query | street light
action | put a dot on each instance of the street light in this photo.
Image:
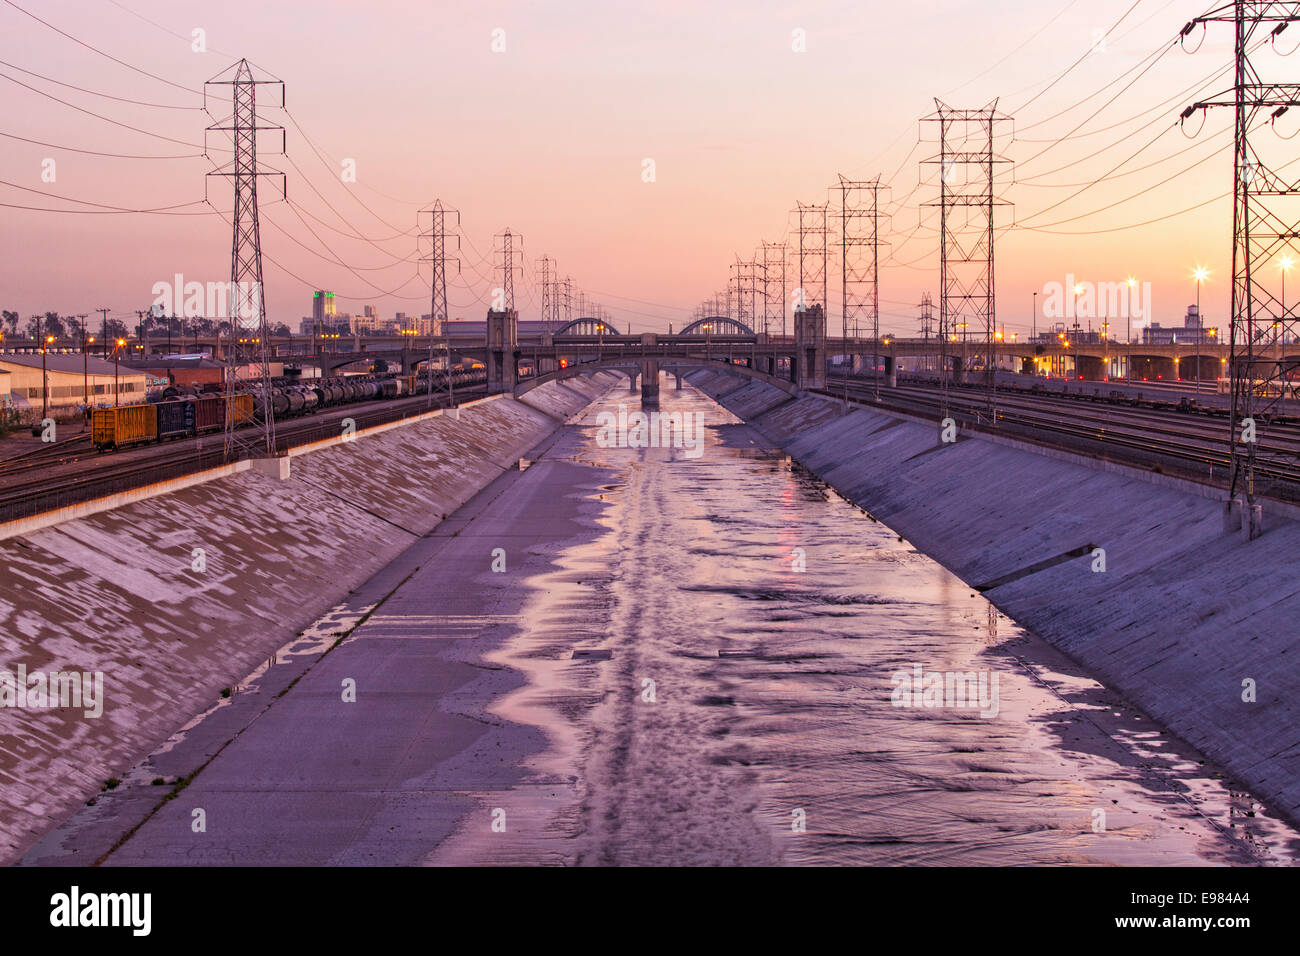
(117, 354)
(1200, 274)
(45, 379)
(1128, 345)
(1285, 264)
(85, 371)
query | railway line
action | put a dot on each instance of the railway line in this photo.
(72, 472)
(1174, 440)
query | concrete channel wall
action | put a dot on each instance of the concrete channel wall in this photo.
(124, 592)
(1184, 618)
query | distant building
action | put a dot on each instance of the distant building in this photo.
(1191, 332)
(322, 306)
(368, 323)
(468, 327)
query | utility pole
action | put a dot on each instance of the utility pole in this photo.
(438, 286)
(247, 298)
(103, 332)
(967, 162)
(45, 375)
(85, 364)
(139, 329)
(1264, 227)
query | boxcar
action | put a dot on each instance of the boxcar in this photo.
(175, 419)
(243, 409)
(122, 426)
(209, 413)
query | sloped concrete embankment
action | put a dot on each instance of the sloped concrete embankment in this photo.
(1183, 614)
(117, 592)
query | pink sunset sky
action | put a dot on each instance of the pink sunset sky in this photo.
(548, 138)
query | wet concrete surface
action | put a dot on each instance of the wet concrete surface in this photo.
(686, 660)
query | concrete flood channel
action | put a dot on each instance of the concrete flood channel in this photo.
(661, 655)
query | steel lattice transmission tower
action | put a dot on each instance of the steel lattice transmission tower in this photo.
(550, 301)
(1265, 227)
(774, 256)
(248, 366)
(859, 216)
(506, 251)
(814, 250)
(967, 202)
(438, 310)
(744, 285)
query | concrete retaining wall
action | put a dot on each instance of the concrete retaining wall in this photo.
(118, 592)
(1182, 615)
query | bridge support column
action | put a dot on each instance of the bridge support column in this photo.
(809, 366)
(677, 376)
(891, 371)
(632, 376)
(1154, 368)
(502, 350)
(547, 363)
(650, 382)
(1089, 367)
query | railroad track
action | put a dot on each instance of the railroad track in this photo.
(1168, 442)
(47, 455)
(38, 486)
(1280, 438)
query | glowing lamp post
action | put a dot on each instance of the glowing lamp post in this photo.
(117, 355)
(1200, 274)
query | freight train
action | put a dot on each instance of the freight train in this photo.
(126, 425)
(183, 414)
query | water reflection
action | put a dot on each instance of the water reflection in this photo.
(741, 709)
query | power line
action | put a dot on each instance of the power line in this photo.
(99, 51)
(106, 119)
(109, 96)
(95, 152)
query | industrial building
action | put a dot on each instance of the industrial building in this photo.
(193, 371)
(72, 377)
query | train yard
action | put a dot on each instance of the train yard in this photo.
(1164, 433)
(74, 470)
(1175, 437)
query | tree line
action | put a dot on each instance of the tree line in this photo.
(151, 326)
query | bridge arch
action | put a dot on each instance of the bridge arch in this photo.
(717, 325)
(586, 326)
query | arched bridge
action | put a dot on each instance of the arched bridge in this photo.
(717, 325)
(585, 326)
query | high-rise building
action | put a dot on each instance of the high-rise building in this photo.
(322, 306)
